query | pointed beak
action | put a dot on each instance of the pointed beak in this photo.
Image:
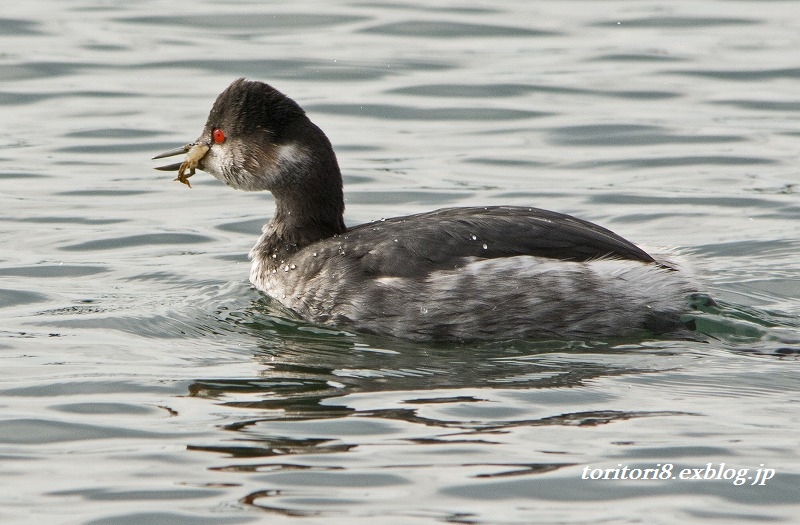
(172, 153)
(194, 154)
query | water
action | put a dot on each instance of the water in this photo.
(144, 381)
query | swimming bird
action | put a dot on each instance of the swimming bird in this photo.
(454, 274)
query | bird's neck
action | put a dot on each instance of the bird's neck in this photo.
(307, 219)
(309, 202)
(295, 226)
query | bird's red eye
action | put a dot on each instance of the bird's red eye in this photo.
(219, 136)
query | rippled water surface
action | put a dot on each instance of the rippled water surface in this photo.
(144, 381)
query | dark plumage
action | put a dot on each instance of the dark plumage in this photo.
(450, 274)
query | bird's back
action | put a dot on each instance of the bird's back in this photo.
(476, 273)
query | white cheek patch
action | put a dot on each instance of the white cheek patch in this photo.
(213, 163)
(290, 155)
(227, 163)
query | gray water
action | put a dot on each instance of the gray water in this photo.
(144, 381)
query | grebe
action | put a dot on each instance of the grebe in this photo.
(455, 274)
